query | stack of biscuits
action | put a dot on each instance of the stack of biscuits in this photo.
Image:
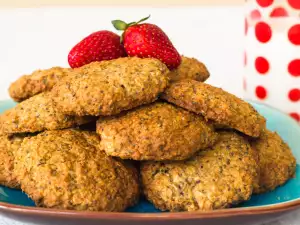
(97, 137)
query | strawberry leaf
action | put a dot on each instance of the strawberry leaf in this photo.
(131, 24)
(142, 20)
(119, 24)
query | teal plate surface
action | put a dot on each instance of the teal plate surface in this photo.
(286, 127)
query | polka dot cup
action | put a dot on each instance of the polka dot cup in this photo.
(272, 54)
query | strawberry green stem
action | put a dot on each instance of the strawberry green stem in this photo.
(121, 25)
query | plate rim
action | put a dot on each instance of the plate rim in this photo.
(221, 213)
(230, 212)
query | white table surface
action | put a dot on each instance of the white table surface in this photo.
(41, 38)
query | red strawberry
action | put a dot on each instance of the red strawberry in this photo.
(101, 45)
(148, 41)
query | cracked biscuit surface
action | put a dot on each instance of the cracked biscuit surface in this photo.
(276, 161)
(190, 68)
(8, 146)
(66, 170)
(216, 178)
(37, 114)
(159, 131)
(109, 87)
(37, 82)
(217, 105)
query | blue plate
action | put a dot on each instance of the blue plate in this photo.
(286, 127)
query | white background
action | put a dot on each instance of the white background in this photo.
(41, 38)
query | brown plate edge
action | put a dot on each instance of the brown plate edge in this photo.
(276, 208)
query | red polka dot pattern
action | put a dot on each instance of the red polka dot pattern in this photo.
(294, 95)
(244, 84)
(294, 68)
(255, 14)
(294, 34)
(263, 32)
(261, 92)
(246, 26)
(279, 12)
(295, 116)
(262, 65)
(269, 18)
(265, 3)
(294, 3)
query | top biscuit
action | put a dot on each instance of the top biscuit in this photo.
(44, 80)
(39, 81)
(109, 87)
(217, 105)
(190, 68)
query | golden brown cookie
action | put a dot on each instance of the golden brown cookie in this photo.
(276, 161)
(66, 170)
(37, 82)
(109, 87)
(159, 131)
(217, 105)
(190, 68)
(36, 114)
(8, 146)
(216, 178)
